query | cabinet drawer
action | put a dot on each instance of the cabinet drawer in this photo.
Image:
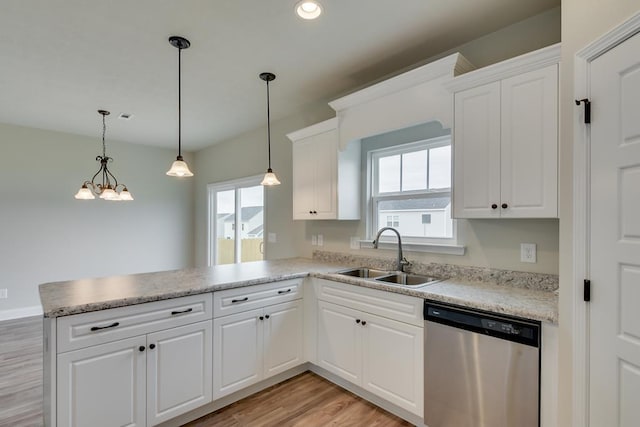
(97, 327)
(399, 307)
(237, 300)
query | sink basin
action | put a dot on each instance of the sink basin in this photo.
(363, 272)
(408, 279)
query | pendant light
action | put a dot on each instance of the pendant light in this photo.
(270, 177)
(108, 188)
(179, 168)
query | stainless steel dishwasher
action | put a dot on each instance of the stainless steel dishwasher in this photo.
(481, 369)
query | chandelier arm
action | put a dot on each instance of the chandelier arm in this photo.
(109, 174)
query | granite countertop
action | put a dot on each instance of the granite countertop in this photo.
(80, 296)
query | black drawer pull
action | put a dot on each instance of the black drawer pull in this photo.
(98, 328)
(266, 316)
(152, 346)
(188, 310)
(240, 300)
(284, 292)
(364, 322)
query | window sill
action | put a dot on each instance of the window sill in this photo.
(436, 248)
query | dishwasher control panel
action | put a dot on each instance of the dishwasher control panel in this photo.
(485, 323)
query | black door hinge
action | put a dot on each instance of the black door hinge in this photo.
(587, 109)
(587, 290)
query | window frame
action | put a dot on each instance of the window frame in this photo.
(373, 197)
(212, 232)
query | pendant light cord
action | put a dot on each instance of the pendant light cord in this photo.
(268, 126)
(104, 131)
(179, 104)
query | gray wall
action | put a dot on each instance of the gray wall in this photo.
(47, 235)
(489, 243)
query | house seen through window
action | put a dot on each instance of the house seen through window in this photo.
(411, 190)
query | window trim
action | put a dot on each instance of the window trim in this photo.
(448, 245)
(212, 236)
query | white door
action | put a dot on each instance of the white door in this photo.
(237, 351)
(103, 385)
(387, 343)
(476, 147)
(179, 365)
(339, 341)
(529, 145)
(615, 237)
(283, 328)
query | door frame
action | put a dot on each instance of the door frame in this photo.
(581, 219)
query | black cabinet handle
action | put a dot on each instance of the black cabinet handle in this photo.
(311, 212)
(188, 310)
(494, 206)
(98, 328)
(261, 317)
(141, 348)
(357, 320)
(152, 346)
(284, 292)
(505, 206)
(364, 322)
(315, 212)
(266, 316)
(240, 300)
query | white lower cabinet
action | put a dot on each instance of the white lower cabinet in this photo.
(178, 371)
(103, 385)
(381, 355)
(256, 344)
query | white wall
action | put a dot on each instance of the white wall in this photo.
(582, 22)
(46, 235)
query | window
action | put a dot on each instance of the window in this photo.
(230, 203)
(410, 190)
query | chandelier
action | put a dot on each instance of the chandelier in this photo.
(109, 188)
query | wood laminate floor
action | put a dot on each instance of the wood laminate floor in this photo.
(21, 372)
(306, 400)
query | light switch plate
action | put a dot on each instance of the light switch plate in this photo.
(320, 240)
(271, 237)
(4, 293)
(314, 240)
(528, 252)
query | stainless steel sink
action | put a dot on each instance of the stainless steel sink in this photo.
(363, 272)
(406, 279)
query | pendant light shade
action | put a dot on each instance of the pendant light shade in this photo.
(179, 167)
(270, 178)
(108, 188)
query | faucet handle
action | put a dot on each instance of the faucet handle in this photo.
(405, 263)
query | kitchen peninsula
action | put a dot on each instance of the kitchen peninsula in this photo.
(225, 332)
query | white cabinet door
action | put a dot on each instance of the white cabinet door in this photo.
(283, 330)
(392, 361)
(529, 144)
(304, 170)
(325, 163)
(476, 185)
(103, 385)
(179, 365)
(339, 341)
(237, 347)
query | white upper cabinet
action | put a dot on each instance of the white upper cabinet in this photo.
(326, 181)
(506, 139)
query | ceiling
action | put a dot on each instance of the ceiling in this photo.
(61, 60)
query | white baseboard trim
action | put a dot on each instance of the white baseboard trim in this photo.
(17, 313)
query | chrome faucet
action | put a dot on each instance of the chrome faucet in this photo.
(402, 261)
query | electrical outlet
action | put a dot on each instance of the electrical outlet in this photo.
(314, 240)
(528, 252)
(355, 243)
(320, 240)
(271, 237)
(4, 293)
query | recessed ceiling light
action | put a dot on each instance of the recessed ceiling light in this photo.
(308, 9)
